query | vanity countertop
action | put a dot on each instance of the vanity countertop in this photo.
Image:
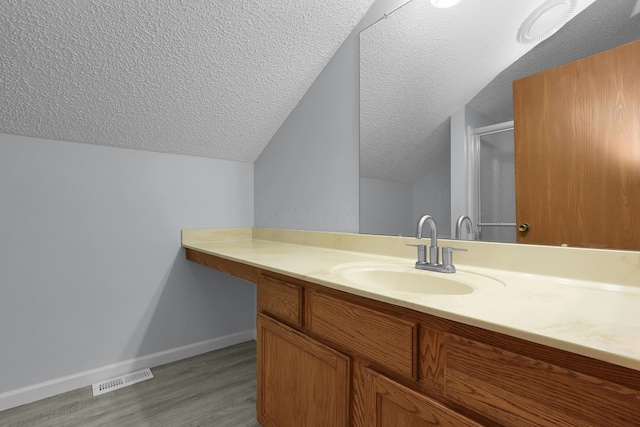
(581, 300)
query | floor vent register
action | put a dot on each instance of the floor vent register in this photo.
(121, 382)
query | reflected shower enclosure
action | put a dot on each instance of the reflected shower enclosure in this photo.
(493, 179)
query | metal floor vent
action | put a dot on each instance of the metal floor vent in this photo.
(121, 382)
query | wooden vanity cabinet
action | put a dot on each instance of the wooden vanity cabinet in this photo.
(330, 358)
(308, 336)
(412, 369)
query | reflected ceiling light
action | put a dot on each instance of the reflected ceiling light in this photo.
(445, 3)
(545, 20)
(636, 9)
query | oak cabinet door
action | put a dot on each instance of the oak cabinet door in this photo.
(390, 404)
(301, 383)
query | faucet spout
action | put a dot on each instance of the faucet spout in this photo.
(434, 253)
(462, 220)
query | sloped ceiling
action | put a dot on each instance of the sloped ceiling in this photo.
(204, 78)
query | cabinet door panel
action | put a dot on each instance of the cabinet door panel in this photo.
(390, 404)
(300, 381)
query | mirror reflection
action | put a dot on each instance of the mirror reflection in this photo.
(425, 87)
(492, 201)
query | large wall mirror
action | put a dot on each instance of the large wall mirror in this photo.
(430, 75)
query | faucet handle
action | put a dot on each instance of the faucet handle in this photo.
(422, 252)
(447, 255)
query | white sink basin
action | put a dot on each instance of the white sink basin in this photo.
(408, 279)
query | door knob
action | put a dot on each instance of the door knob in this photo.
(524, 227)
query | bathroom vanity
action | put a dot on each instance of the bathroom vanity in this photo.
(520, 336)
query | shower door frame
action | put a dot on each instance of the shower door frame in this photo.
(474, 201)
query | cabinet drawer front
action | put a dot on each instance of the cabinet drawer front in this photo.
(520, 391)
(280, 299)
(380, 338)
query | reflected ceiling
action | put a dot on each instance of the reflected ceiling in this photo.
(602, 26)
(421, 64)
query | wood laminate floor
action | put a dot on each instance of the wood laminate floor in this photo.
(213, 389)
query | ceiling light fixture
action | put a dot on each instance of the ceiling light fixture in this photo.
(444, 3)
(545, 20)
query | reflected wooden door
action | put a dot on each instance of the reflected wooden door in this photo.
(577, 152)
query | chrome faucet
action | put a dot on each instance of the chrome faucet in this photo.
(433, 264)
(462, 220)
(434, 254)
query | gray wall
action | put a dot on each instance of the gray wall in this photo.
(308, 175)
(432, 195)
(91, 268)
(393, 208)
(386, 207)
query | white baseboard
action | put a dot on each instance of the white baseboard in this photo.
(50, 388)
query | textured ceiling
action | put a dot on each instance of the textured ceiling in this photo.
(205, 78)
(421, 64)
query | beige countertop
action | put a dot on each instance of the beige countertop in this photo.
(581, 300)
